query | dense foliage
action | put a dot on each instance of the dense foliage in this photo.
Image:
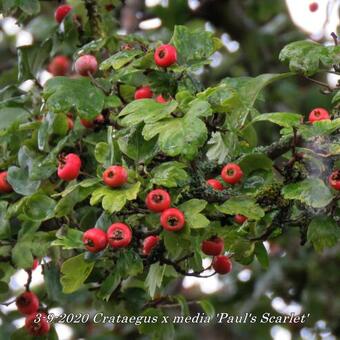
(175, 144)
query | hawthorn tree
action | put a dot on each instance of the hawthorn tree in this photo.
(124, 171)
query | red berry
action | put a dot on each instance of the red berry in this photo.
(119, 235)
(27, 303)
(37, 324)
(61, 12)
(158, 200)
(86, 64)
(213, 246)
(70, 123)
(232, 173)
(89, 124)
(59, 65)
(149, 243)
(95, 240)
(5, 187)
(240, 219)
(222, 264)
(69, 167)
(115, 176)
(334, 180)
(313, 7)
(172, 219)
(165, 55)
(318, 114)
(215, 184)
(161, 99)
(143, 92)
(35, 264)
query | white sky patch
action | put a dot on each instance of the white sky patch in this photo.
(216, 59)
(26, 85)
(244, 275)
(280, 306)
(24, 38)
(10, 27)
(332, 79)
(64, 332)
(208, 285)
(231, 45)
(150, 24)
(313, 22)
(44, 76)
(280, 333)
(18, 323)
(193, 4)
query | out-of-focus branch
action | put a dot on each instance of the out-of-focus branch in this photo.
(131, 15)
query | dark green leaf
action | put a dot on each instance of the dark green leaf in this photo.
(63, 94)
(323, 232)
(311, 191)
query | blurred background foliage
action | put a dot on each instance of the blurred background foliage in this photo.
(253, 33)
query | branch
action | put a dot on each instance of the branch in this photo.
(94, 18)
(179, 269)
(29, 280)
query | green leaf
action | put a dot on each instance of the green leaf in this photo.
(321, 128)
(154, 278)
(3, 287)
(22, 255)
(170, 175)
(147, 111)
(31, 59)
(223, 147)
(120, 59)
(336, 97)
(109, 285)
(222, 98)
(193, 46)
(19, 179)
(311, 191)
(11, 114)
(284, 119)
(72, 239)
(62, 94)
(39, 207)
(250, 163)
(115, 199)
(243, 206)
(4, 223)
(102, 152)
(199, 108)
(191, 210)
(135, 147)
(75, 271)
(207, 307)
(178, 136)
(323, 232)
(262, 255)
(308, 57)
(30, 7)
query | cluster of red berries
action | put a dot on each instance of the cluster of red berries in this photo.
(231, 173)
(159, 201)
(28, 304)
(214, 246)
(164, 56)
(118, 235)
(145, 92)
